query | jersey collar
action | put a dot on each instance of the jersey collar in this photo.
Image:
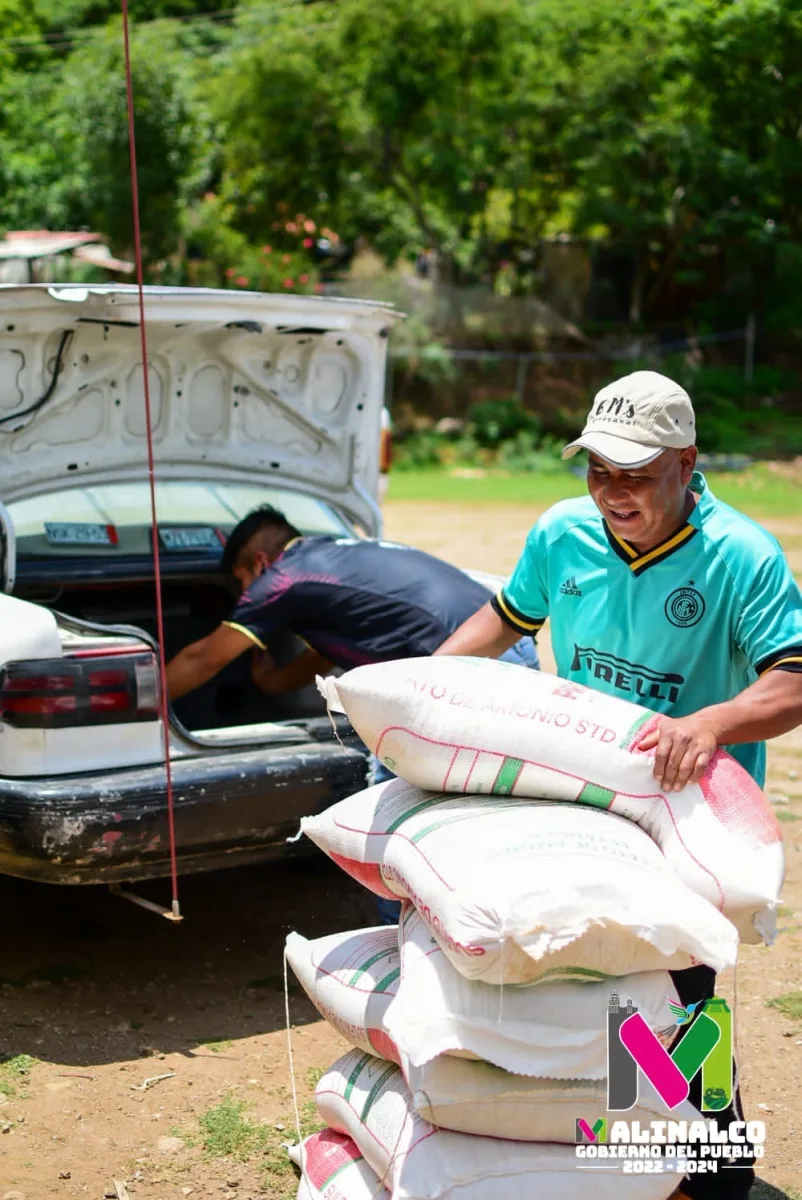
(638, 563)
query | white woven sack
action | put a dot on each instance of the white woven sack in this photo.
(519, 891)
(351, 979)
(479, 726)
(367, 1099)
(412, 1007)
(551, 1030)
(333, 1168)
(480, 1099)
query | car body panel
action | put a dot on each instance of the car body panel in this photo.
(287, 389)
(278, 392)
(232, 808)
(27, 630)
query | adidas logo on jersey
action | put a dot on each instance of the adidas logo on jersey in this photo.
(569, 588)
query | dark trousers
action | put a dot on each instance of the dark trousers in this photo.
(730, 1183)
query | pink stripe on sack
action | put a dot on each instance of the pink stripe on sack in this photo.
(454, 758)
(391, 1154)
(731, 795)
(368, 874)
(473, 768)
(349, 987)
(384, 1045)
(529, 762)
(326, 1153)
(739, 806)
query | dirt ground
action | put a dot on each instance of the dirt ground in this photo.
(150, 1060)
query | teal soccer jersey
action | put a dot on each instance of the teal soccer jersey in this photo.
(688, 624)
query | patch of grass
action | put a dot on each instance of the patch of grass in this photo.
(757, 491)
(310, 1119)
(227, 1133)
(14, 1069)
(784, 911)
(766, 1191)
(790, 1005)
(218, 1046)
(783, 814)
(279, 1168)
(490, 487)
(314, 1076)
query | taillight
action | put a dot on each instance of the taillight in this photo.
(93, 690)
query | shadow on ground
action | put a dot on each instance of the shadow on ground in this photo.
(767, 1191)
(87, 978)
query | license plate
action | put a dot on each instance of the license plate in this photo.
(204, 538)
(73, 534)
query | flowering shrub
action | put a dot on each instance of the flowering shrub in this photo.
(220, 256)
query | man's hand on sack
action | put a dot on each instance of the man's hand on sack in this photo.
(683, 749)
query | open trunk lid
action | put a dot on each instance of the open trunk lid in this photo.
(243, 386)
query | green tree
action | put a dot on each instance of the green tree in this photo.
(415, 124)
(685, 133)
(89, 124)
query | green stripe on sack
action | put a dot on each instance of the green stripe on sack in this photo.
(599, 797)
(377, 1087)
(629, 736)
(342, 1167)
(471, 814)
(364, 1061)
(391, 977)
(574, 973)
(505, 780)
(413, 812)
(370, 962)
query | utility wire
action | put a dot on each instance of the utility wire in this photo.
(64, 38)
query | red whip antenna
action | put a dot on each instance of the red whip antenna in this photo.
(175, 912)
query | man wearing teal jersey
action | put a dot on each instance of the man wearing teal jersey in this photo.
(657, 592)
(660, 594)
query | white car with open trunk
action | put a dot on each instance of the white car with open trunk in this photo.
(255, 399)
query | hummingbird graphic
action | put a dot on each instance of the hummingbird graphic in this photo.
(683, 1014)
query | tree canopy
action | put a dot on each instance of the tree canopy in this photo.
(671, 129)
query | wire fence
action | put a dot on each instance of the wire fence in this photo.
(639, 348)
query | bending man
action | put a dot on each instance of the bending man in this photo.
(353, 601)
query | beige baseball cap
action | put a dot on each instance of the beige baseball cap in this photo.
(635, 419)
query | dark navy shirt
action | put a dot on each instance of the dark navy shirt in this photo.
(358, 601)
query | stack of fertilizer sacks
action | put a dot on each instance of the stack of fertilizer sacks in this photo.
(549, 887)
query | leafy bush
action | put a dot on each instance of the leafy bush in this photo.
(525, 452)
(493, 422)
(420, 451)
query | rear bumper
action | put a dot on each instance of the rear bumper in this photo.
(230, 809)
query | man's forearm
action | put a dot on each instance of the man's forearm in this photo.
(202, 660)
(295, 674)
(188, 670)
(484, 635)
(768, 708)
